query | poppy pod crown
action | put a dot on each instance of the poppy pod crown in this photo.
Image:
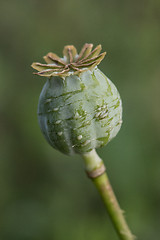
(79, 108)
(72, 62)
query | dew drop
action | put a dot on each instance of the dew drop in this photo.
(79, 137)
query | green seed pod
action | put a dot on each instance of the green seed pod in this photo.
(79, 108)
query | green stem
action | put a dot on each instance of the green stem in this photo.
(96, 170)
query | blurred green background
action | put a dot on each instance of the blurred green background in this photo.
(43, 193)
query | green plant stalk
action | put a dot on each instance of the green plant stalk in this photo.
(96, 171)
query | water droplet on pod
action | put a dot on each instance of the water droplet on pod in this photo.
(79, 137)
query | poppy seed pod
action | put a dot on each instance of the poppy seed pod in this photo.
(79, 108)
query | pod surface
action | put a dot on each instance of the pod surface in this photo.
(79, 113)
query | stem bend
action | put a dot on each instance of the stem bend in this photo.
(95, 169)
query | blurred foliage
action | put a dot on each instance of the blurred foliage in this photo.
(44, 194)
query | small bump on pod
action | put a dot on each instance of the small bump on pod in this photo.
(55, 109)
(58, 121)
(76, 116)
(86, 142)
(60, 133)
(48, 100)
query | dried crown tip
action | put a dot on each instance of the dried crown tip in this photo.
(72, 62)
